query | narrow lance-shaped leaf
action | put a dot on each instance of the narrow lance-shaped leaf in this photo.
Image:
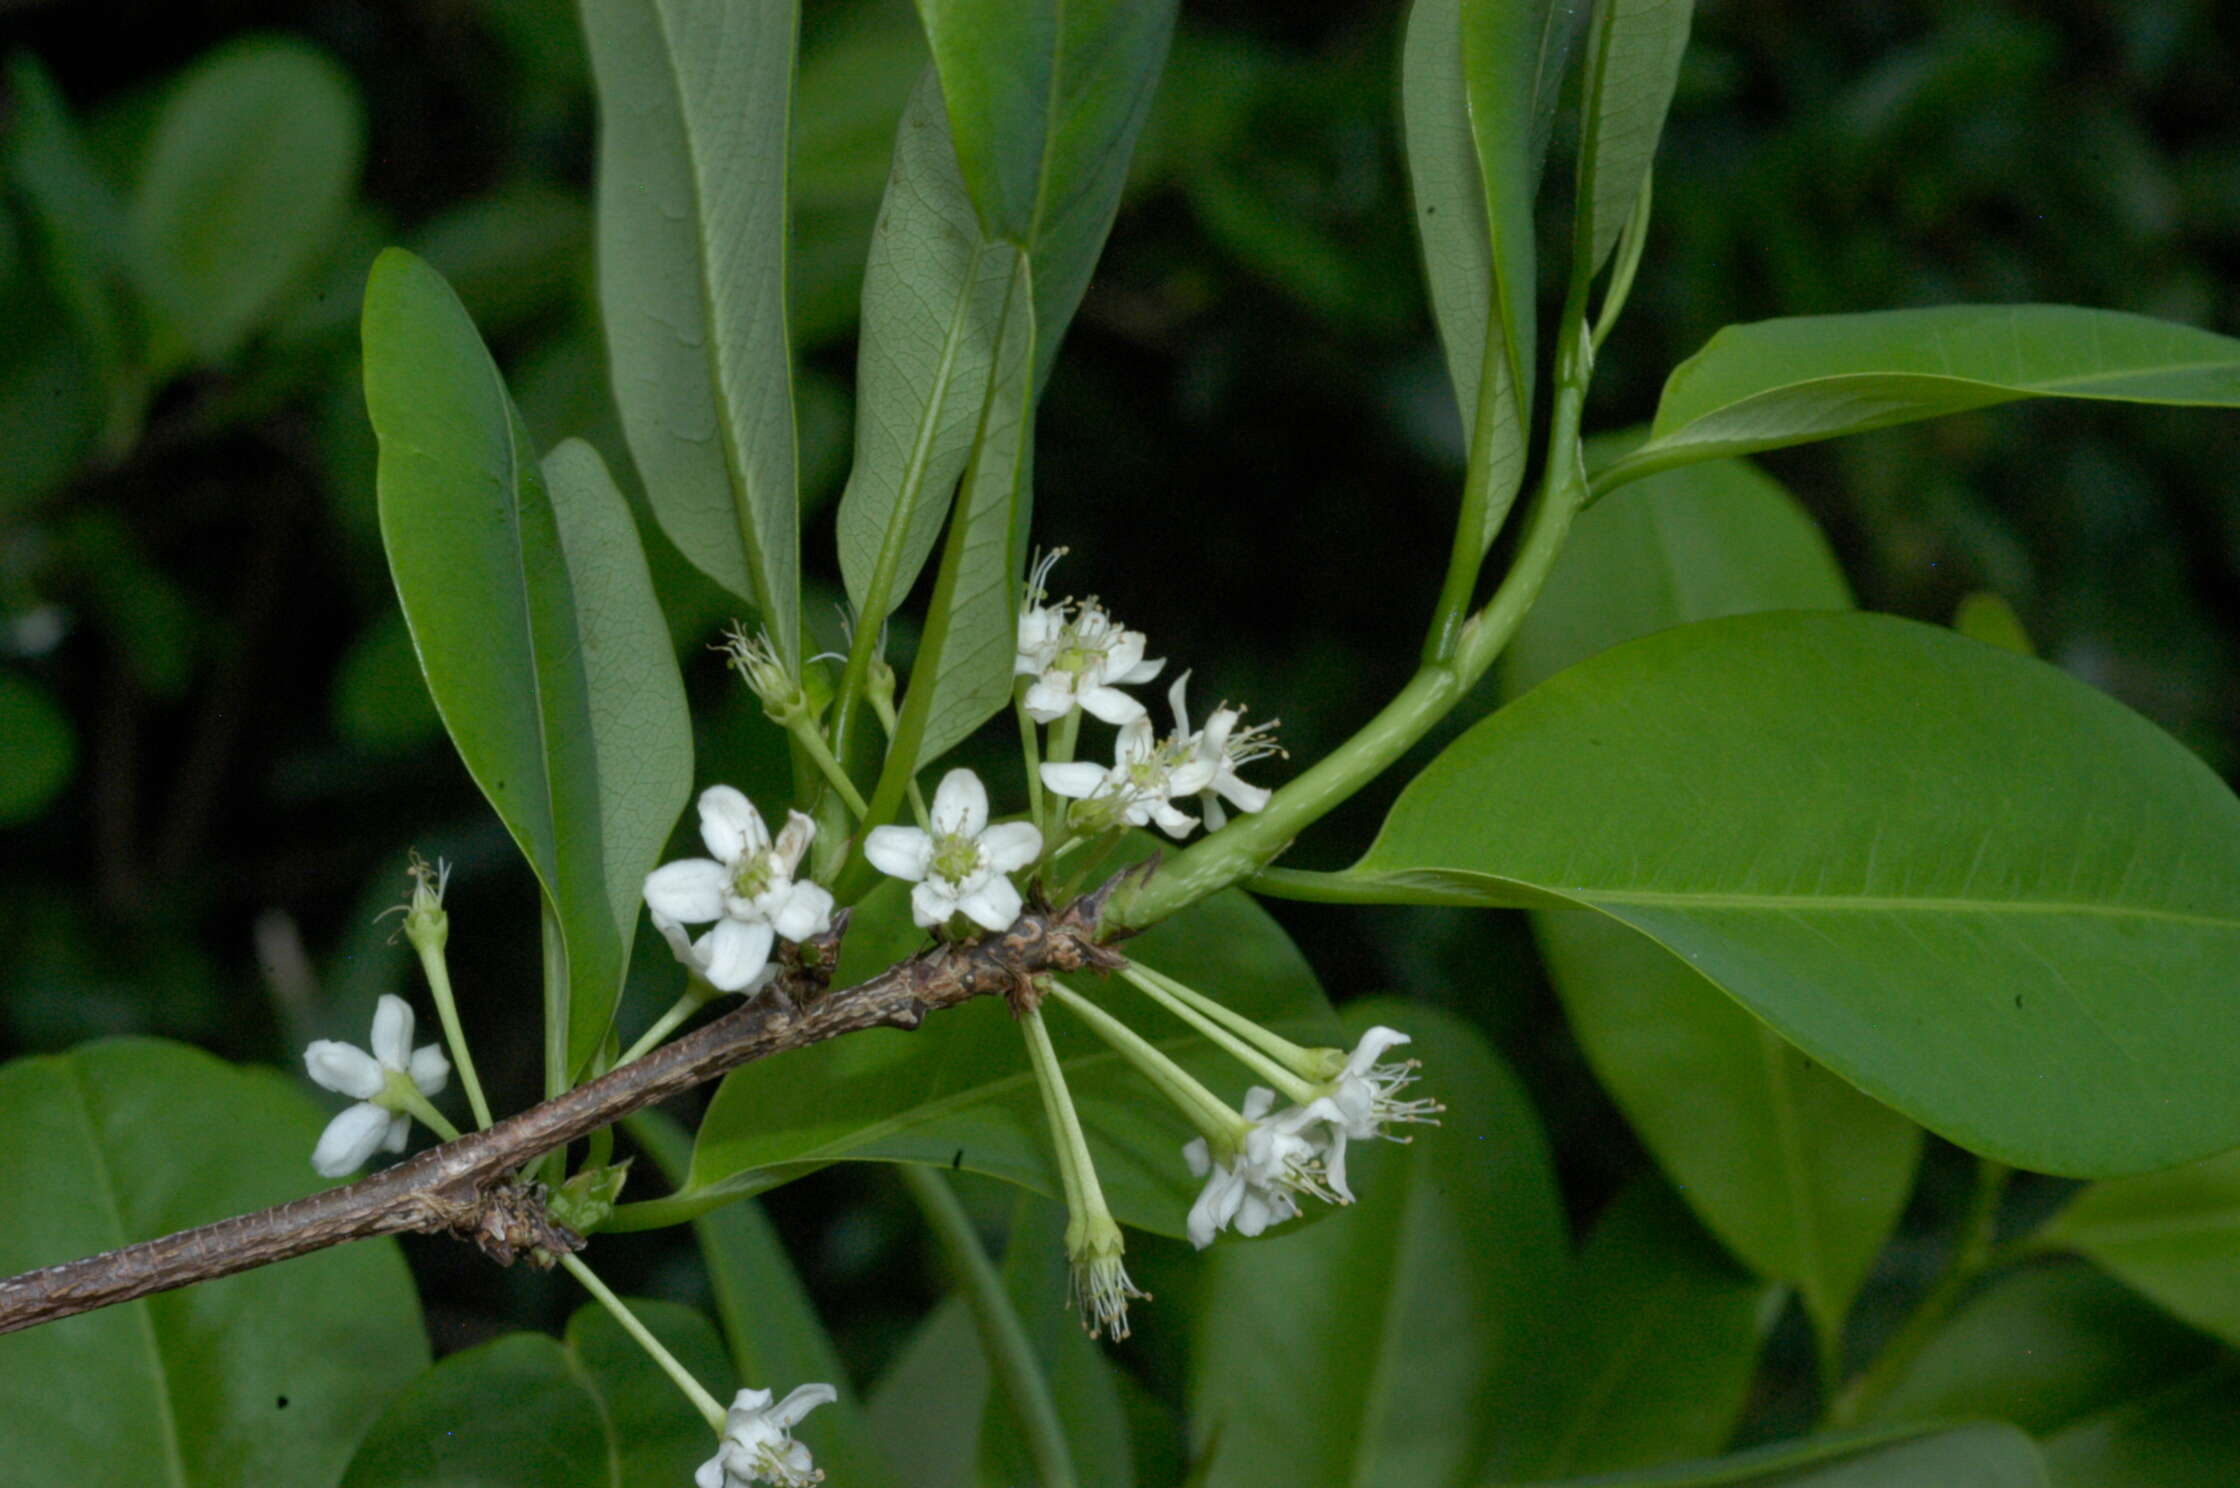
(1984, 893)
(1780, 382)
(535, 623)
(695, 97)
(1633, 63)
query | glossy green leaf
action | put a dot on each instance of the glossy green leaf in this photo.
(769, 1324)
(927, 1408)
(2174, 1236)
(265, 1377)
(1665, 1338)
(2186, 1435)
(2044, 1348)
(38, 748)
(694, 100)
(248, 175)
(1367, 1348)
(1991, 620)
(1797, 1172)
(656, 1436)
(1778, 382)
(1083, 1382)
(1633, 54)
(535, 622)
(1983, 893)
(958, 1093)
(1981, 1456)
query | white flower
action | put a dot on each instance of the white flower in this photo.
(1079, 657)
(1218, 751)
(356, 1132)
(1362, 1103)
(1259, 1185)
(758, 1444)
(1145, 777)
(748, 889)
(961, 865)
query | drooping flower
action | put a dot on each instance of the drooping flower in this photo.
(375, 1122)
(1363, 1102)
(1079, 656)
(747, 887)
(758, 1444)
(1099, 1280)
(1259, 1182)
(1218, 751)
(961, 865)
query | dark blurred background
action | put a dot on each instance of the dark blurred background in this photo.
(214, 751)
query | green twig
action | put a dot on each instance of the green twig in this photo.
(708, 1406)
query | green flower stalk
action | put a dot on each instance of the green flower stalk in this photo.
(1094, 1245)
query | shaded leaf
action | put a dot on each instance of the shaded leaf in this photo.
(2173, 1236)
(1632, 64)
(38, 748)
(2184, 1436)
(1982, 1456)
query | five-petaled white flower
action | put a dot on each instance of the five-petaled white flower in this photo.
(1259, 1184)
(1079, 656)
(748, 889)
(758, 1444)
(961, 865)
(1362, 1103)
(1217, 751)
(373, 1123)
(1145, 777)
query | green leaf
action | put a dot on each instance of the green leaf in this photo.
(1981, 1456)
(1990, 619)
(1366, 1349)
(38, 749)
(1633, 62)
(1983, 893)
(2173, 1236)
(769, 1326)
(1798, 1173)
(536, 625)
(927, 1407)
(694, 100)
(248, 176)
(656, 1436)
(1780, 382)
(1083, 1382)
(2043, 1348)
(958, 1092)
(265, 1377)
(1665, 1340)
(2184, 1436)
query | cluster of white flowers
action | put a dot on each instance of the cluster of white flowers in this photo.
(758, 1444)
(747, 888)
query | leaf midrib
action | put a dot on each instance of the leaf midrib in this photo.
(1884, 904)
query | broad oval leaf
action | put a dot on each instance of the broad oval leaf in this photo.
(1981, 1456)
(1778, 382)
(2174, 1236)
(1797, 1172)
(248, 174)
(1980, 891)
(1632, 65)
(535, 623)
(694, 103)
(265, 1377)
(1367, 1349)
(957, 1092)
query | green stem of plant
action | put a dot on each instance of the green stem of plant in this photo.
(882, 703)
(1306, 886)
(1030, 745)
(438, 973)
(1066, 1137)
(709, 1407)
(1308, 1064)
(1064, 734)
(695, 997)
(1222, 1128)
(1286, 1081)
(1001, 1333)
(1972, 1254)
(1630, 243)
(422, 1110)
(805, 731)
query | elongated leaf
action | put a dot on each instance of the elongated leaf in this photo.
(1666, 1339)
(957, 1092)
(249, 172)
(694, 102)
(1778, 382)
(265, 1377)
(1797, 1172)
(1083, 1383)
(1982, 1456)
(535, 622)
(1633, 62)
(1365, 1350)
(2184, 1436)
(1985, 894)
(2044, 1348)
(2174, 1236)
(928, 1406)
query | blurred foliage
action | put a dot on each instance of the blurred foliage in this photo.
(214, 746)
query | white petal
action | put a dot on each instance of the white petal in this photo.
(1142, 671)
(710, 1473)
(1258, 1101)
(800, 831)
(1181, 709)
(747, 1408)
(1334, 1164)
(995, 905)
(730, 825)
(1242, 796)
(931, 905)
(1046, 702)
(399, 1132)
(1176, 824)
(1111, 704)
(688, 891)
(1078, 780)
(1011, 846)
(734, 951)
(802, 1400)
(806, 912)
(1203, 1224)
(1372, 1047)
(960, 805)
(899, 852)
(1215, 817)
(429, 1069)
(680, 944)
(392, 1031)
(1195, 1153)
(345, 1069)
(349, 1140)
